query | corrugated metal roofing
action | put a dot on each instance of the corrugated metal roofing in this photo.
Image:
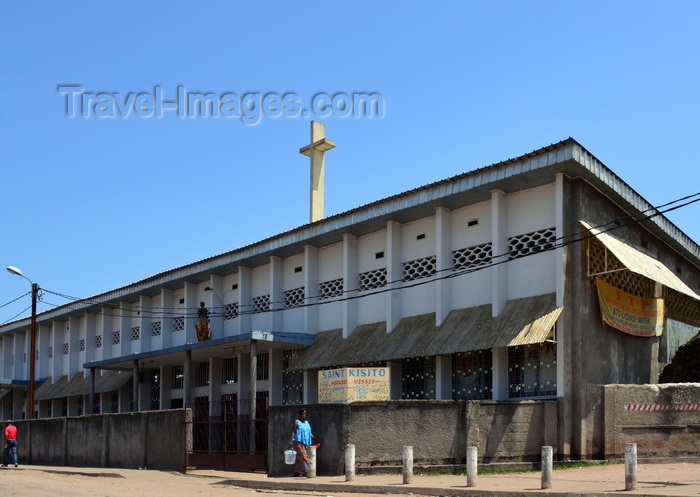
(640, 263)
(522, 321)
(80, 385)
(526, 171)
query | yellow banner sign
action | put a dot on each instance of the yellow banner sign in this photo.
(341, 386)
(629, 313)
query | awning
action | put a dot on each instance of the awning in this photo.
(522, 321)
(640, 263)
(80, 385)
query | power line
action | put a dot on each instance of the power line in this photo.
(495, 260)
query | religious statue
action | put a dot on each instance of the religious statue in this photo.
(202, 326)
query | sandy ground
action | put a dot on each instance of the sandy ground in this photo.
(125, 483)
(676, 479)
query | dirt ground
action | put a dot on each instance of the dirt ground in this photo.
(675, 479)
(129, 483)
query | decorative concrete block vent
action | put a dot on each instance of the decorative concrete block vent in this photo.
(372, 279)
(179, 323)
(295, 297)
(261, 303)
(420, 268)
(470, 257)
(231, 311)
(156, 328)
(332, 288)
(530, 243)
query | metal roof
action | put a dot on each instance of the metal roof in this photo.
(522, 321)
(527, 171)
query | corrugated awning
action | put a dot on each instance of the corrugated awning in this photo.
(80, 385)
(522, 321)
(640, 263)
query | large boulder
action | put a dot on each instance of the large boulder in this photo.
(685, 365)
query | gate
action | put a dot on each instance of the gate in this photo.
(230, 434)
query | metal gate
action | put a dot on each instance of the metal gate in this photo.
(230, 434)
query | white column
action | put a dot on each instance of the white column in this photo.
(499, 239)
(215, 304)
(275, 319)
(167, 321)
(443, 246)
(443, 377)
(125, 329)
(144, 323)
(311, 289)
(394, 268)
(56, 361)
(245, 300)
(500, 373)
(73, 340)
(350, 283)
(191, 306)
(275, 384)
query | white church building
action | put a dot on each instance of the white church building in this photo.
(480, 286)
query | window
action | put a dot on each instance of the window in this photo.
(418, 378)
(292, 381)
(263, 366)
(229, 371)
(472, 377)
(201, 374)
(178, 377)
(532, 370)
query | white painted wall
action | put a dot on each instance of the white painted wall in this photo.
(531, 210)
(463, 235)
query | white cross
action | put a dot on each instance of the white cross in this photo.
(316, 151)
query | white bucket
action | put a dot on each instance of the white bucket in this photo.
(289, 456)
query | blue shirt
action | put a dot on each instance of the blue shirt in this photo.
(303, 432)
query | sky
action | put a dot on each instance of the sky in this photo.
(106, 179)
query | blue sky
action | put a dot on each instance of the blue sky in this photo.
(90, 204)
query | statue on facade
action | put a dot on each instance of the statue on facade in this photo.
(202, 326)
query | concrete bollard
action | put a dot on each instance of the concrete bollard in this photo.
(407, 464)
(349, 462)
(311, 453)
(471, 466)
(546, 467)
(630, 466)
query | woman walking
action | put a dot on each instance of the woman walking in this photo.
(300, 439)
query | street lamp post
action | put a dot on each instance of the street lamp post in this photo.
(32, 339)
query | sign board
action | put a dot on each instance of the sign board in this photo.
(345, 385)
(677, 334)
(629, 313)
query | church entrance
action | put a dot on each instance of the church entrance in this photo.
(229, 434)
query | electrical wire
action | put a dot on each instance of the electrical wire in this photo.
(495, 260)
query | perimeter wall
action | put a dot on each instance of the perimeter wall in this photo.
(151, 439)
(663, 420)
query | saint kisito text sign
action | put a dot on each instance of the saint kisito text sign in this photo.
(629, 313)
(345, 385)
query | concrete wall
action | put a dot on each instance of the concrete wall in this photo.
(439, 432)
(663, 420)
(155, 439)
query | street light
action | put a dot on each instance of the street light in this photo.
(32, 340)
